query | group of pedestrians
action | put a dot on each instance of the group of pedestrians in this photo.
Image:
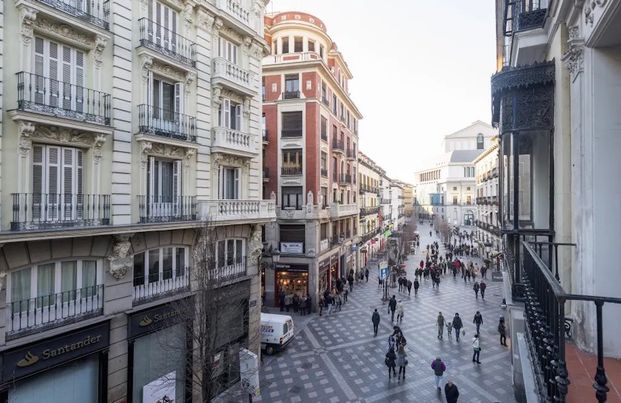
(396, 341)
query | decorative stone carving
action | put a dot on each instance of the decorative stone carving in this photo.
(257, 50)
(205, 20)
(309, 198)
(26, 131)
(216, 95)
(255, 246)
(190, 78)
(188, 16)
(229, 160)
(272, 195)
(189, 155)
(97, 146)
(589, 10)
(28, 16)
(147, 64)
(120, 261)
(64, 31)
(69, 136)
(218, 24)
(574, 56)
(168, 71)
(100, 45)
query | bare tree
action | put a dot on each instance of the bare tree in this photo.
(216, 317)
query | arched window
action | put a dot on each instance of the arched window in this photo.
(480, 145)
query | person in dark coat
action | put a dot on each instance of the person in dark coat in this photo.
(416, 286)
(392, 306)
(409, 285)
(451, 392)
(375, 318)
(482, 288)
(366, 274)
(390, 362)
(478, 320)
(476, 288)
(457, 325)
(502, 330)
(282, 301)
(309, 304)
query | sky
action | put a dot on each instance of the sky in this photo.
(421, 71)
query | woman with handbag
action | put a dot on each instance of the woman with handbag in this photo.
(476, 346)
(390, 362)
(402, 361)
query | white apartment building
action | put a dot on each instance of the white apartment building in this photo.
(369, 201)
(397, 206)
(125, 126)
(487, 200)
(477, 136)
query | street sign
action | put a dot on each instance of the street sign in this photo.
(384, 273)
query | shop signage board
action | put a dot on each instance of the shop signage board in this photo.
(384, 273)
(161, 390)
(292, 247)
(154, 319)
(36, 357)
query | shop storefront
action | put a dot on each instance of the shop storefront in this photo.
(71, 367)
(158, 355)
(292, 279)
(334, 271)
(324, 275)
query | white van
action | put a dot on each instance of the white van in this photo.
(276, 332)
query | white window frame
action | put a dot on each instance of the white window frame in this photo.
(161, 204)
(223, 263)
(163, 16)
(223, 188)
(228, 117)
(175, 269)
(228, 50)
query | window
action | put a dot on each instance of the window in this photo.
(292, 86)
(163, 20)
(230, 252)
(454, 199)
(321, 51)
(334, 104)
(292, 162)
(229, 188)
(323, 231)
(324, 93)
(454, 188)
(468, 199)
(229, 115)
(324, 164)
(292, 197)
(63, 67)
(480, 142)
(161, 264)
(291, 124)
(53, 283)
(324, 193)
(298, 44)
(311, 45)
(285, 45)
(324, 128)
(228, 50)
(164, 181)
(166, 99)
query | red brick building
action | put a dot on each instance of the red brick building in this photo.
(310, 157)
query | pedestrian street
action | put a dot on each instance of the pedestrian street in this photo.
(336, 358)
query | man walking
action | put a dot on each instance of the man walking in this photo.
(392, 306)
(451, 392)
(478, 320)
(438, 369)
(399, 312)
(482, 288)
(366, 274)
(502, 330)
(457, 325)
(440, 323)
(375, 318)
(476, 347)
(409, 285)
(416, 286)
(476, 287)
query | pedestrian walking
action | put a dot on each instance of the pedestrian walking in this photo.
(440, 323)
(476, 287)
(409, 285)
(476, 347)
(392, 306)
(282, 301)
(390, 362)
(478, 320)
(309, 304)
(482, 287)
(451, 392)
(438, 369)
(321, 304)
(449, 328)
(345, 294)
(457, 325)
(502, 330)
(366, 274)
(399, 311)
(402, 360)
(416, 286)
(375, 318)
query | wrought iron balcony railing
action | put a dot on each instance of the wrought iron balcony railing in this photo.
(291, 94)
(235, 9)
(92, 11)
(350, 153)
(229, 271)
(345, 179)
(166, 123)
(166, 42)
(158, 285)
(47, 311)
(365, 211)
(154, 209)
(45, 95)
(38, 211)
(521, 15)
(291, 171)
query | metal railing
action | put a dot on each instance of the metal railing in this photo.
(337, 145)
(546, 325)
(164, 41)
(158, 285)
(291, 171)
(39, 94)
(166, 208)
(166, 123)
(345, 179)
(235, 9)
(55, 309)
(92, 11)
(229, 271)
(58, 210)
(350, 153)
(265, 135)
(364, 211)
(291, 94)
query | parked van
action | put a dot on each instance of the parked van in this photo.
(276, 332)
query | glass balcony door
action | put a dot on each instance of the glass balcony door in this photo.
(164, 182)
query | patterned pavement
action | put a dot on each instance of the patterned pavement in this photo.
(336, 358)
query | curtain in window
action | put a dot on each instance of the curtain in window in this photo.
(89, 278)
(68, 280)
(167, 263)
(20, 289)
(139, 269)
(154, 265)
(45, 284)
(180, 262)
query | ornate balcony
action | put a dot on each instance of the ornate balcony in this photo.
(228, 272)
(234, 9)
(50, 97)
(94, 12)
(36, 314)
(166, 123)
(156, 209)
(237, 210)
(158, 285)
(291, 171)
(233, 142)
(365, 211)
(342, 210)
(345, 179)
(43, 211)
(291, 95)
(351, 155)
(232, 76)
(168, 43)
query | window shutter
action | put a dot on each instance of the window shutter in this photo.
(176, 180)
(39, 70)
(79, 182)
(79, 81)
(53, 73)
(151, 178)
(53, 168)
(238, 117)
(37, 169)
(220, 183)
(236, 188)
(66, 78)
(226, 107)
(179, 107)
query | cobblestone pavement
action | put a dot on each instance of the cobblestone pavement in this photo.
(336, 358)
